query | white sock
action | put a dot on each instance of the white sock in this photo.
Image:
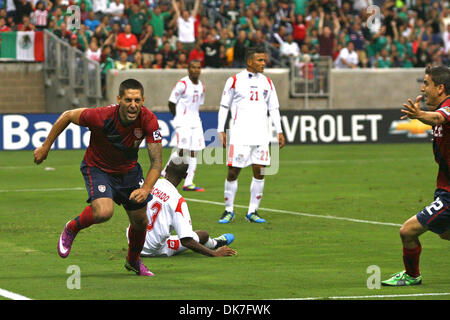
(256, 192)
(230, 191)
(211, 243)
(190, 171)
(172, 156)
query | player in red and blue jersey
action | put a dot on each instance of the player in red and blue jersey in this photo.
(436, 216)
(110, 168)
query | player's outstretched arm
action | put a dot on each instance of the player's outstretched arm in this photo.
(67, 117)
(412, 111)
(199, 248)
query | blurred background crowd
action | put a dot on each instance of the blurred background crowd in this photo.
(159, 34)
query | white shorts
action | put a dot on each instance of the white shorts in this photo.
(170, 248)
(243, 156)
(190, 138)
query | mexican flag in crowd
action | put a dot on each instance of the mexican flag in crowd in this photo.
(22, 45)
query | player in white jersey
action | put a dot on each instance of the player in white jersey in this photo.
(248, 95)
(168, 211)
(184, 103)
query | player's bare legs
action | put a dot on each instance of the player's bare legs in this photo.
(256, 193)
(99, 211)
(189, 184)
(136, 238)
(409, 234)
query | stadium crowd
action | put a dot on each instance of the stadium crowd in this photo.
(124, 34)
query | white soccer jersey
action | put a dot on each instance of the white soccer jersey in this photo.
(249, 96)
(188, 98)
(167, 211)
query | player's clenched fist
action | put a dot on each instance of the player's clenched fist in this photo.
(40, 154)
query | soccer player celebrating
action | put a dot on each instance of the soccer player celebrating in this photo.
(248, 95)
(436, 216)
(110, 168)
(184, 103)
(168, 211)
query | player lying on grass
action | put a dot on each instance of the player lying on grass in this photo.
(168, 211)
(436, 216)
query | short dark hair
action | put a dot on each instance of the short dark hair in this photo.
(440, 75)
(194, 61)
(130, 84)
(251, 51)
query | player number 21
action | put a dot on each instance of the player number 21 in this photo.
(253, 95)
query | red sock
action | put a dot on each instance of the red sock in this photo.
(136, 240)
(84, 220)
(411, 260)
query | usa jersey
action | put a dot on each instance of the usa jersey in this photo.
(249, 97)
(441, 146)
(167, 211)
(188, 98)
(112, 146)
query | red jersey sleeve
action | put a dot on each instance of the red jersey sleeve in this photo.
(445, 111)
(92, 117)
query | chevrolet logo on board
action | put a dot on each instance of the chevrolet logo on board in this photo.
(413, 128)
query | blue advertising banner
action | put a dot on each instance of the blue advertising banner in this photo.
(28, 131)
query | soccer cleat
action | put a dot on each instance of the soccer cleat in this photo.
(65, 241)
(253, 217)
(227, 217)
(224, 239)
(402, 279)
(140, 269)
(193, 187)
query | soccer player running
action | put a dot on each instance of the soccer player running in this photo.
(248, 95)
(110, 168)
(184, 103)
(168, 211)
(436, 216)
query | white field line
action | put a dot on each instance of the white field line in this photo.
(12, 295)
(381, 296)
(238, 206)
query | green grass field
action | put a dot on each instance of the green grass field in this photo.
(332, 211)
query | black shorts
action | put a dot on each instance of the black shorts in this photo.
(100, 184)
(436, 216)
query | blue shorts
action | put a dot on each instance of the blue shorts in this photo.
(436, 216)
(118, 187)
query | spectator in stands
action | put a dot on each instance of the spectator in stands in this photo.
(347, 58)
(239, 51)
(212, 52)
(158, 63)
(62, 32)
(126, 41)
(41, 13)
(3, 26)
(136, 18)
(100, 7)
(289, 49)
(26, 25)
(23, 8)
(138, 61)
(383, 59)
(326, 35)
(92, 22)
(157, 20)
(84, 37)
(103, 30)
(283, 16)
(123, 63)
(74, 42)
(147, 44)
(182, 61)
(185, 23)
(197, 53)
(167, 51)
(298, 28)
(94, 52)
(116, 10)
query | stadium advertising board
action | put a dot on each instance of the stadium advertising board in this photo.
(27, 131)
